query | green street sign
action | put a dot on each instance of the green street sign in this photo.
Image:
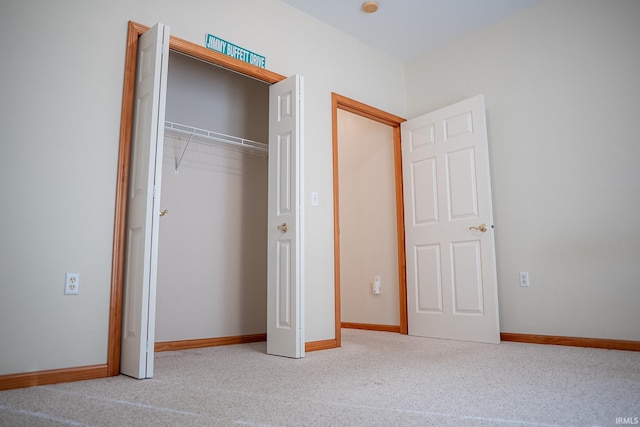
(230, 49)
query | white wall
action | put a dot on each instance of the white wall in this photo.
(212, 257)
(60, 100)
(368, 225)
(210, 97)
(212, 261)
(562, 88)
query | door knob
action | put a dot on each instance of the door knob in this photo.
(164, 212)
(284, 227)
(481, 227)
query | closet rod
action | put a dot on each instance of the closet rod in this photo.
(203, 136)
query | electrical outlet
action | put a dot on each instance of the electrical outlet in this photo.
(375, 286)
(524, 279)
(71, 282)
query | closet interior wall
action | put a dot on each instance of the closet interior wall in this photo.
(212, 259)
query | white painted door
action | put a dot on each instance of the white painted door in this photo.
(285, 317)
(451, 273)
(143, 199)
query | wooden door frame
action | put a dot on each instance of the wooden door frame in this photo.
(366, 111)
(176, 44)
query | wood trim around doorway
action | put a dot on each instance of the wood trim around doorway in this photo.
(118, 255)
(360, 109)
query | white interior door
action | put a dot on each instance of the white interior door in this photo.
(451, 273)
(285, 317)
(139, 305)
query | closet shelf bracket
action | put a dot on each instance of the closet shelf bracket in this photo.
(208, 137)
(183, 151)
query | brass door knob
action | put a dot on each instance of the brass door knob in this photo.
(164, 212)
(481, 227)
(284, 227)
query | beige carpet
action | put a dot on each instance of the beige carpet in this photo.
(375, 379)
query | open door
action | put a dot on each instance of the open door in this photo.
(143, 198)
(285, 317)
(451, 271)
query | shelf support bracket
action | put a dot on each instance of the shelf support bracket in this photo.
(183, 152)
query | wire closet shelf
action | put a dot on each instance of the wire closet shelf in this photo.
(208, 137)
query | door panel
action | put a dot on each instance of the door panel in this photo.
(451, 273)
(429, 279)
(466, 278)
(143, 204)
(461, 189)
(285, 330)
(425, 202)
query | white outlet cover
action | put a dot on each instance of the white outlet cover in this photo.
(71, 283)
(524, 279)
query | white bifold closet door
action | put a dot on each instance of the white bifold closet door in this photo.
(285, 326)
(285, 317)
(143, 204)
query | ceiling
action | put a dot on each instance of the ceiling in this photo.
(409, 28)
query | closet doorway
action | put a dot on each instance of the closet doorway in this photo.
(212, 247)
(368, 222)
(284, 128)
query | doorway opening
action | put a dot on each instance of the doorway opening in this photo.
(212, 245)
(345, 104)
